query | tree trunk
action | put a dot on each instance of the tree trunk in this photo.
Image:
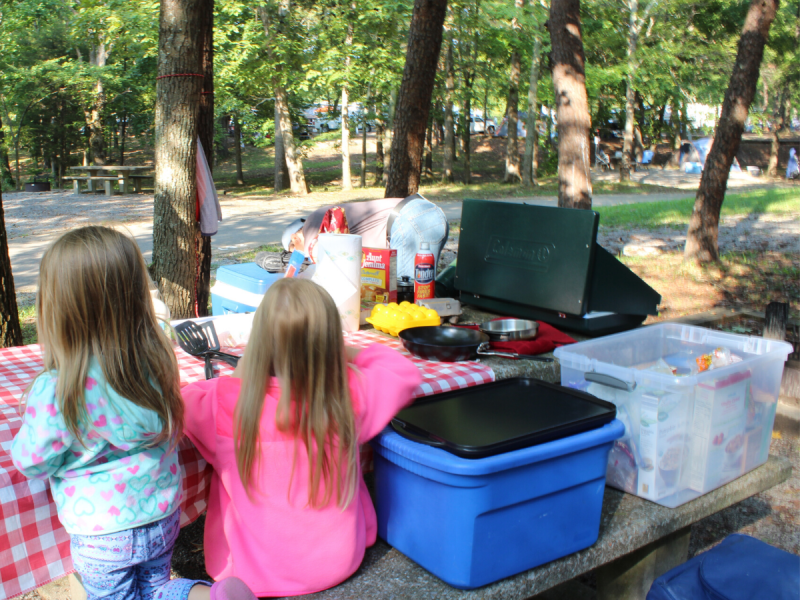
(414, 99)
(465, 130)
(347, 182)
(237, 150)
(94, 116)
(775, 142)
(6, 178)
(572, 106)
(389, 132)
(175, 205)
(701, 239)
(281, 170)
(630, 119)
(379, 158)
(528, 169)
(485, 110)
(513, 174)
(429, 150)
(675, 122)
(10, 332)
(205, 126)
(449, 128)
(123, 132)
(294, 162)
(364, 139)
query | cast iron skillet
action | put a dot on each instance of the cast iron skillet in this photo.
(451, 344)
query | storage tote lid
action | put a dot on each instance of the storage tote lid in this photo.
(742, 567)
(502, 416)
(248, 277)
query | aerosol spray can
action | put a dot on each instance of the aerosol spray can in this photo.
(424, 271)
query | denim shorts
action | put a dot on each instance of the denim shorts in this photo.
(132, 564)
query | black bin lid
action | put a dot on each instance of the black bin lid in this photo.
(502, 416)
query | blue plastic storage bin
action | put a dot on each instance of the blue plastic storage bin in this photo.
(474, 521)
(740, 568)
(240, 288)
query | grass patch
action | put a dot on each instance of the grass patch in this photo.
(676, 213)
(27, 322)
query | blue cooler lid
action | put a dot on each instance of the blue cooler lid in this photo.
(743, 568)
(248, 277)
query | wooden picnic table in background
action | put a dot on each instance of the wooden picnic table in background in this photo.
(108, 174)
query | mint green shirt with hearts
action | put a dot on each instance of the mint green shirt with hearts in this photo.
(111, 481)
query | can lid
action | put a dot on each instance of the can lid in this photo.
(424, 246)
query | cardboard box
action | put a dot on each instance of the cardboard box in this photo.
(720, 411)
(663, 443)
(378, 275)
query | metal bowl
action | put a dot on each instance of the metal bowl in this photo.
(510, 330)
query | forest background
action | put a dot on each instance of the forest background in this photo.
(78, 78)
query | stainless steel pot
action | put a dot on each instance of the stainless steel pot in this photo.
(510, 330)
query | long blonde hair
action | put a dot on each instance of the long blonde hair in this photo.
(94, 302)
(297, 337)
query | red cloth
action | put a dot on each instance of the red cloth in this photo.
(334, 221)
(547, 339)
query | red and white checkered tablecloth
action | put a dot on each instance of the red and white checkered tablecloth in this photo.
(34, 547)
(436, 376)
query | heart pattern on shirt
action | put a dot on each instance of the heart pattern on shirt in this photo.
(83, 507)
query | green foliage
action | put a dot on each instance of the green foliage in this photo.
(48, 81)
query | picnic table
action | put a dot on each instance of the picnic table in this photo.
(34, 547)
(108, 174)
(638, 541)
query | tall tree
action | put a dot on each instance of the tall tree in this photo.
(702, 237)
(98, 55)
(205, 127)
(512, 114)
(178, 87)
(449, 126)
(532, 138)
(10, 332)
(347, 182)
(414, 98)
(627, 144)
(572, 104)
(294, 161)
(281, 169)
(365, 126)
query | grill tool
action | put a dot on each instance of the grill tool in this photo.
(200, 339)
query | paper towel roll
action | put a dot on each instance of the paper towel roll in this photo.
(339, 272)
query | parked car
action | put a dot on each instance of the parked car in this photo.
(324, 123)
(481, 125)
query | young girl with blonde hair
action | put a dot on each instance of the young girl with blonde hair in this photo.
(288, 510)
(103, 420)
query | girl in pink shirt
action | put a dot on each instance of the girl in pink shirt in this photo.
(288, 510)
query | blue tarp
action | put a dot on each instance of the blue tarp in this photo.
(792, 170)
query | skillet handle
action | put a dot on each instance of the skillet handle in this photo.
(482, 351)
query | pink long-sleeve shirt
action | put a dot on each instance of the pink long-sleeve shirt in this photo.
(275, 542)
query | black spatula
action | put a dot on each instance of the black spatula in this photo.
(200, 339)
